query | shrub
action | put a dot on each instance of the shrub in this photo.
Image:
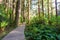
(41, 29)
(4, 18)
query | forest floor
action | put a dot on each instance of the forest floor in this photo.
(16, 34)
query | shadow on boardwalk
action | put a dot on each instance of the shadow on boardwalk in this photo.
(17, 34)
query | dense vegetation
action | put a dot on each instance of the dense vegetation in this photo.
(3, 17)
(4, 20)
(42, 18)
(43, 29)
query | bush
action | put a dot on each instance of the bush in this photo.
(4, 23)
(4, 18)
(41, 29)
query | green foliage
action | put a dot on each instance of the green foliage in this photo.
(42, 29)
(4, 16)
(5, 20)
(4, 23)
(21, 19)
(35, 19)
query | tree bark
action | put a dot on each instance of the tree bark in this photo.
(48, 8)
(13, 10)
(22, 10)
(39, 8)
(51, 9)
(28, 10)
(17, 13)
(42, 7)
(56, 7)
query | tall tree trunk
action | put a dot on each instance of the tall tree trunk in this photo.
(56, 12)
(48, 8)
(51, 9)
(22, 10)
(39, 8)
(11, 4)
(17, 13)
(43, 7)
(56, 7)
(13, 9)
(28, 10)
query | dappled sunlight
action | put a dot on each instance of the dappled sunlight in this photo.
(30, 19)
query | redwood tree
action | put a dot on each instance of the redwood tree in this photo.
(48, 8)
(51, 8)
(22, 10)
(43, 7)
(39, 8)
(28, 1)
(56, 7)
(17, 13)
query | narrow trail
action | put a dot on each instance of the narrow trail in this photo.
(16, 34)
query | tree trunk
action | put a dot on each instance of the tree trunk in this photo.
(42, 7)
(48, 8)
(22, 10)
(51, 9)
(28, 10)
(13, 10)
(56, 7)
(17, 13)
(39, 8)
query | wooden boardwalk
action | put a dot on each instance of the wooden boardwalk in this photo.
(16, 34)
